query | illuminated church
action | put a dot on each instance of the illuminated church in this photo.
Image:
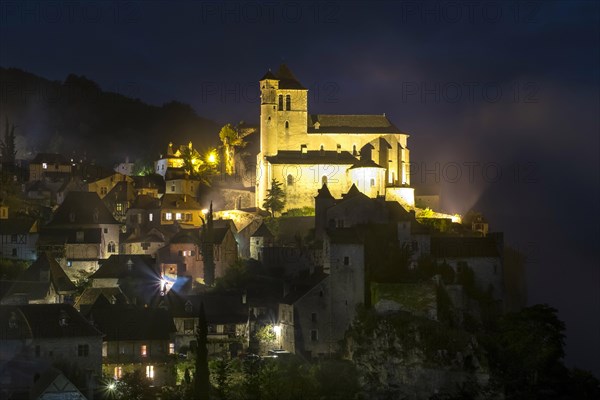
(302, 151)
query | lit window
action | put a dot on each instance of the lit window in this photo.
(143, 350)
(118, 372)
(104, 349)
(168, 216)
(178, 216)
(150, 217)
(150, 371)
(45, 165)
(171, 348)
(119, 207)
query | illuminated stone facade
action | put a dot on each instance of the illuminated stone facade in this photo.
(303, 150)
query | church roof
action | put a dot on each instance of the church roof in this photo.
(286, 78)
(312, 157)
(362, 123)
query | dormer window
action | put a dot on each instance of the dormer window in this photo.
(288, 102)
(63, 318)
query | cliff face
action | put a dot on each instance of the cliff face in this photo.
(405, 357)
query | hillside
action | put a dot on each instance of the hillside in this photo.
(77, 117)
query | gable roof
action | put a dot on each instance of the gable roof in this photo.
(119, 266)
(219, 308)
(179, 202)
(262, 231)
(49, 158)
(91, 294)
(82, 208)
(126, 322)
(18, 225)
(352, 123)
(43, 322)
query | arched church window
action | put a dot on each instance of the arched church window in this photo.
(280, 102)
(354, 149)
(288, 102)
(290, 180)
(287, 124)
(322, 148)
(324, 179)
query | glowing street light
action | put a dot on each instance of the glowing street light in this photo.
(277, 330)
(212, 157)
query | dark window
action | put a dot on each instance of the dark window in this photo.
(83, 350)
(14, 252)
(290, 180)
(313, 317)
(38, 350)
(105, 230)
(287, 124)
(314, 335)
(346, 260)
(288, 102)
(145, 245)
(372, 182)
(280, 105)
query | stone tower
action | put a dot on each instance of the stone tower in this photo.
(283, 118)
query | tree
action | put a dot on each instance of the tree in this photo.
(8, 150)
(231, 139)
(207, 248)
(133, 386)
(275, 200)
(202, 373)
(198, 167)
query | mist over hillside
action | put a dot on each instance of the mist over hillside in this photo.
(77, 117)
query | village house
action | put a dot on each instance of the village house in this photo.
(135, 338)
(227, 318)
(81, 232)
(49, 165)
(18, 236)
(35, 337)
(44, 282)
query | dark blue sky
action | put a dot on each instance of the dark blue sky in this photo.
(508, 88)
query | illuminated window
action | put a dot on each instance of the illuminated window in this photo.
(104, 349)
(45, 165)
(280, 105)
(168, 216)
(178, 216)
(171, 348)
(118, 372)
(143, 350)
(150, 371)
(288, 102)
(119, 207)
(150, 217)
(103, 190)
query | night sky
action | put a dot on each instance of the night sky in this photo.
(504, 96)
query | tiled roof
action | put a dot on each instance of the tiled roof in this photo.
(358, 123)
(324, 193)
(126, 322)
(69, 236)
(82, 208)
(262, 231)
(146, 202)
(120, 266)
(219, 308)
(312, 157)
(179, 202)
(44, 321)
(18, 225)
(49, 158)
(302, 287)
